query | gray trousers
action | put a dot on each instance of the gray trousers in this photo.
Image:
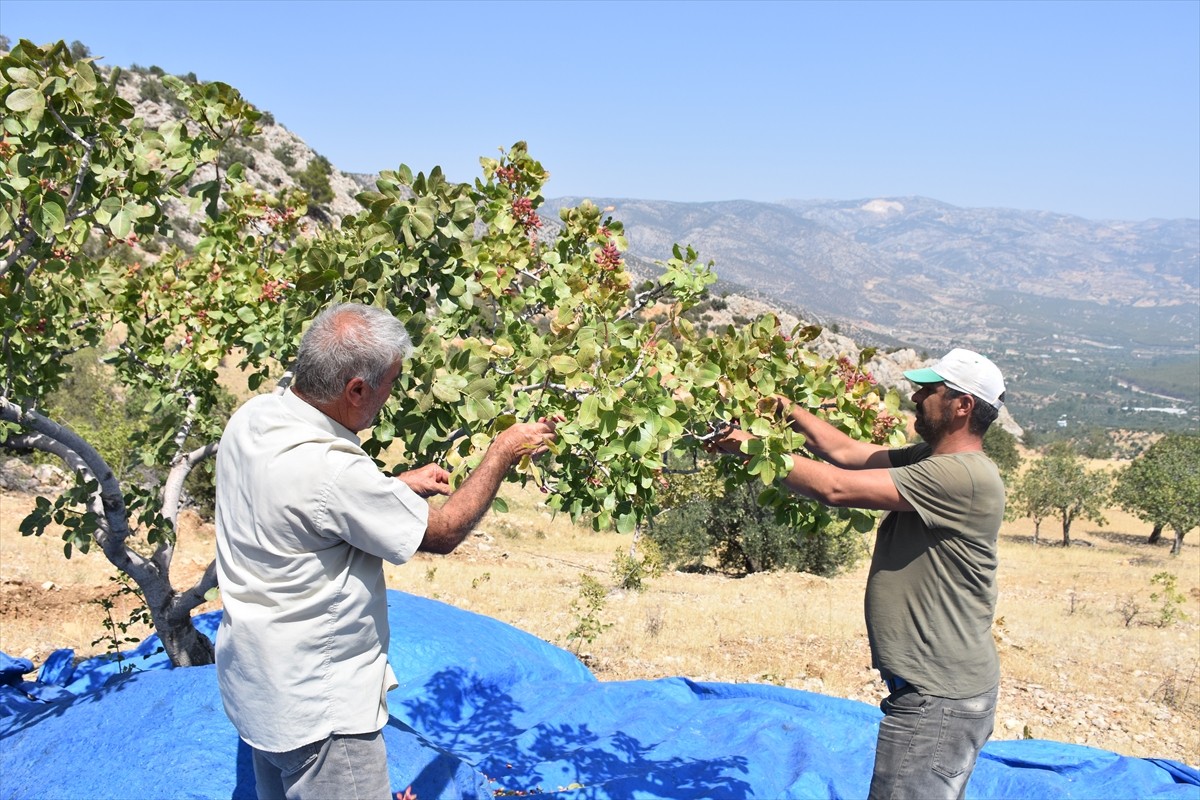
(928, 745)
(338, 768)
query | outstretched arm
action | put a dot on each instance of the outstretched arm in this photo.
(458, 516)
(832, 485)
(830, 444)
(854, 475)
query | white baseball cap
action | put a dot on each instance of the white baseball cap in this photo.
(964, 371)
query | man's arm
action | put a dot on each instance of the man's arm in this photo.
(832, 485)
(830, 444)
(845, 488)
(451, 523)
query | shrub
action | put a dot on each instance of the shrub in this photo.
(284, 154)
(736, 529)
(314, 179)
(631, 570)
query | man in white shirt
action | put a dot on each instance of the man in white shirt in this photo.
(304, 522)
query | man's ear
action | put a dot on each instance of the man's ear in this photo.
(964, 403)
(356, 389)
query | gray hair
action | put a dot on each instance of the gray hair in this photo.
(348, 341)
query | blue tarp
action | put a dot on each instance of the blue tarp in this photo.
(484, 708)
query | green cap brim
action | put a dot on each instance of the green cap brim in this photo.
(924, 376)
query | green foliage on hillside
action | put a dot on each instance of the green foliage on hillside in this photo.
(709, 520)
(1057, 484)
(314, 179)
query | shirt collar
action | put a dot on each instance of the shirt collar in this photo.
(314, 416)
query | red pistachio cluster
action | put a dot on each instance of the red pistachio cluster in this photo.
(849, 372)
(272, 290)
(608, 257)
(507, 175)
(276, 217)
(523, 213)
(885, 423)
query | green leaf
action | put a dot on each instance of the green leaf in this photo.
(86, 76)
(212, 594)
(588, 414)
(121, 225)
(707, 374)
(499, 506)
(23, 100)
(564, 365)
(49, 217)
(445, 393)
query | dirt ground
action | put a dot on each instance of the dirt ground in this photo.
(1077, 667)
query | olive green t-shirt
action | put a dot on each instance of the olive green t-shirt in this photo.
(931, 592)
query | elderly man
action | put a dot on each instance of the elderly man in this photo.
(931, 589)
(304, 522)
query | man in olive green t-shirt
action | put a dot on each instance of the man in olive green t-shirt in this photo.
(931, 590)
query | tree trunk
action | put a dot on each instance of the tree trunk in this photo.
(171, 614)
(170, 611)
(1066, 529)
(184, 645)
(1177, 546)
(1155, 534)
(1037, 529)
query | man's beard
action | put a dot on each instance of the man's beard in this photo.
(931, 430)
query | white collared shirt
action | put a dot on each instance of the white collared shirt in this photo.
(304, 521)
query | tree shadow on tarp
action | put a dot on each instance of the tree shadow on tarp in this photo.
(519, 749)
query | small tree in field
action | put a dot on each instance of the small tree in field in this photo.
(1058, 483)
(509, 323)
(1162, 487)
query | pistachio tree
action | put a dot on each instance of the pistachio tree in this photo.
(79, 173)
(1162, 487)
(515, 318)
(1059, 484)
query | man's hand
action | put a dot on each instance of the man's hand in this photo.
(729, 442)
(527, 438)
(427, 481)
(450, 523)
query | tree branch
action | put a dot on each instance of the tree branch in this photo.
(172, 492)
(106, 501)
(191, 598)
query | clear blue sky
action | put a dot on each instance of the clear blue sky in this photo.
(1088, 108)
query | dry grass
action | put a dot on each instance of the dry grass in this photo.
(1073, 670)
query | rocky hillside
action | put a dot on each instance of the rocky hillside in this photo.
(915, 268)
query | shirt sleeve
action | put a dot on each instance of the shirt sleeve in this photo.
(373, 512)
(938, 488)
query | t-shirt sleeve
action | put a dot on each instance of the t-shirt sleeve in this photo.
(374, 512)
(940, 489)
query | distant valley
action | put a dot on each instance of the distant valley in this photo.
(1091, 319)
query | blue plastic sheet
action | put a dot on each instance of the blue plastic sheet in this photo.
(484, 708)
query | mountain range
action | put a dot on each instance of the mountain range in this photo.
(1088, 318)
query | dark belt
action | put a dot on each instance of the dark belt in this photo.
(895, 684)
